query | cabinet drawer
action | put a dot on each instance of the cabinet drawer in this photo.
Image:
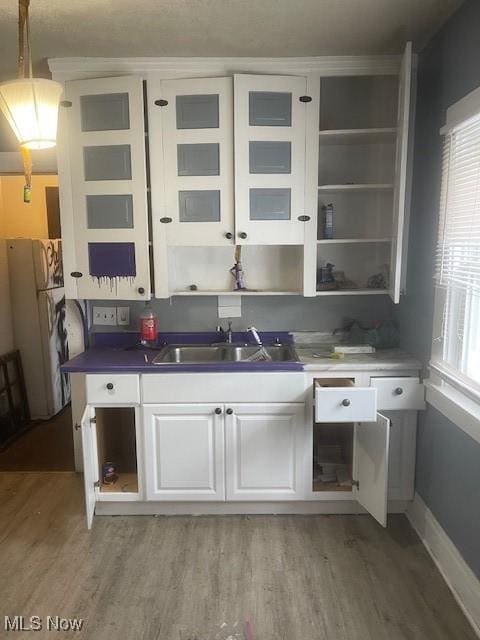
(399, 393)
(339, 400)
(113, 389)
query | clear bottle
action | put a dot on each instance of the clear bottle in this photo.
(328, 222)
(148, 326)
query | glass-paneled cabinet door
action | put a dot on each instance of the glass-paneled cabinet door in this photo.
(270, 119)
(106, 141)
(191, 153)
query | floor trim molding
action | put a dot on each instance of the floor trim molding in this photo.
(461, 580)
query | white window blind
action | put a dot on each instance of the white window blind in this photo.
(457, 271)
(458, 255)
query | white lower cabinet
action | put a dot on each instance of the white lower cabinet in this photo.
(185, 445)
(216, 452)
(111, 437)
(287, 446)
(264, 451)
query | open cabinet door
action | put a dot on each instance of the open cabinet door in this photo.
(371, 446)
(105, 233)
(401, 200)
(90, 471)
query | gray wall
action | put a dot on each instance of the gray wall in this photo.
(267, 313)
(448, 461)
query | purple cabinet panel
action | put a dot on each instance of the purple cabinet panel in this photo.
(112, 259)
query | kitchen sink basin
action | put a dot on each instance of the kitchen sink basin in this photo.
(200, 354)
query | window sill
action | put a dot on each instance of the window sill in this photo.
(456, 406)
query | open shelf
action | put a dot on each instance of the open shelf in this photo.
(352, 292)
(116, 443)
(358, 102)
(273, 270)
(332, 457)
(356, 187)
(235, 293)
(353, 240)
(357, 136)
(126, 483)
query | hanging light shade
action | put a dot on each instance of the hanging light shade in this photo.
(31, 108)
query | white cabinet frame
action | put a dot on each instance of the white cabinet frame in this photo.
(91, 474)
(273, 231)
(75, 189)
(164, 138)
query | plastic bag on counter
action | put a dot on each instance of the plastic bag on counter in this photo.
(382, 335)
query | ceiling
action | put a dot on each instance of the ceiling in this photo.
(114, 28)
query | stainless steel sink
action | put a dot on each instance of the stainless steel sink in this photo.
(198, 354)
(177, 353)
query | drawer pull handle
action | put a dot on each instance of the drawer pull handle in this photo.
(229, 411)
(109, 386)
(218, 411)
(398, 391)
(346, 402)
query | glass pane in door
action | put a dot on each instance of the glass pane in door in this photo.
(107, 162)
(199, 206)
(198, 159)
(197, 111)
(270, 109)
(270, 204)
(110, 211)
(270, 157)
(105, 112)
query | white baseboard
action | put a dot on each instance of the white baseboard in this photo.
(107, 507)
(461, 580)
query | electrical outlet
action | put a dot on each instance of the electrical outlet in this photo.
(123, 315)
(105, 316)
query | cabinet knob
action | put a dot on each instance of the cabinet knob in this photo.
(346, 402)
(398, 391)
(229, 411)
(218, 411)
(109, 386)
(242, 235)
(229, 235)
(141, 290)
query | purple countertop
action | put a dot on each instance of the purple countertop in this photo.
(117, 352)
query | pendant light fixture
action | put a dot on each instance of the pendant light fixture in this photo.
(29, 104)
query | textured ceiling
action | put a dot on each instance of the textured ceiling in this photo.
(114, 28)
(62, 28)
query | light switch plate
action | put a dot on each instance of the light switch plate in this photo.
(105, 316)
(230, 306)
(123, 316)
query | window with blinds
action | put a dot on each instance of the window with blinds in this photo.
(457, 272)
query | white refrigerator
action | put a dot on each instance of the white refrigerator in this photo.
(38, 317)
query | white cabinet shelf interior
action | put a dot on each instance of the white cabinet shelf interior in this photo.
(269, 269)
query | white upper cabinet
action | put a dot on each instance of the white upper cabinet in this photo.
(191, 149)
(106, 239)
(269, 159)
(315, 155)
(401, 202)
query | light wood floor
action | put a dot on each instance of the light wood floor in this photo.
(181, 578)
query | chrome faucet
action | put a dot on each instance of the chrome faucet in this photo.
(228, 334)
(255, 335)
